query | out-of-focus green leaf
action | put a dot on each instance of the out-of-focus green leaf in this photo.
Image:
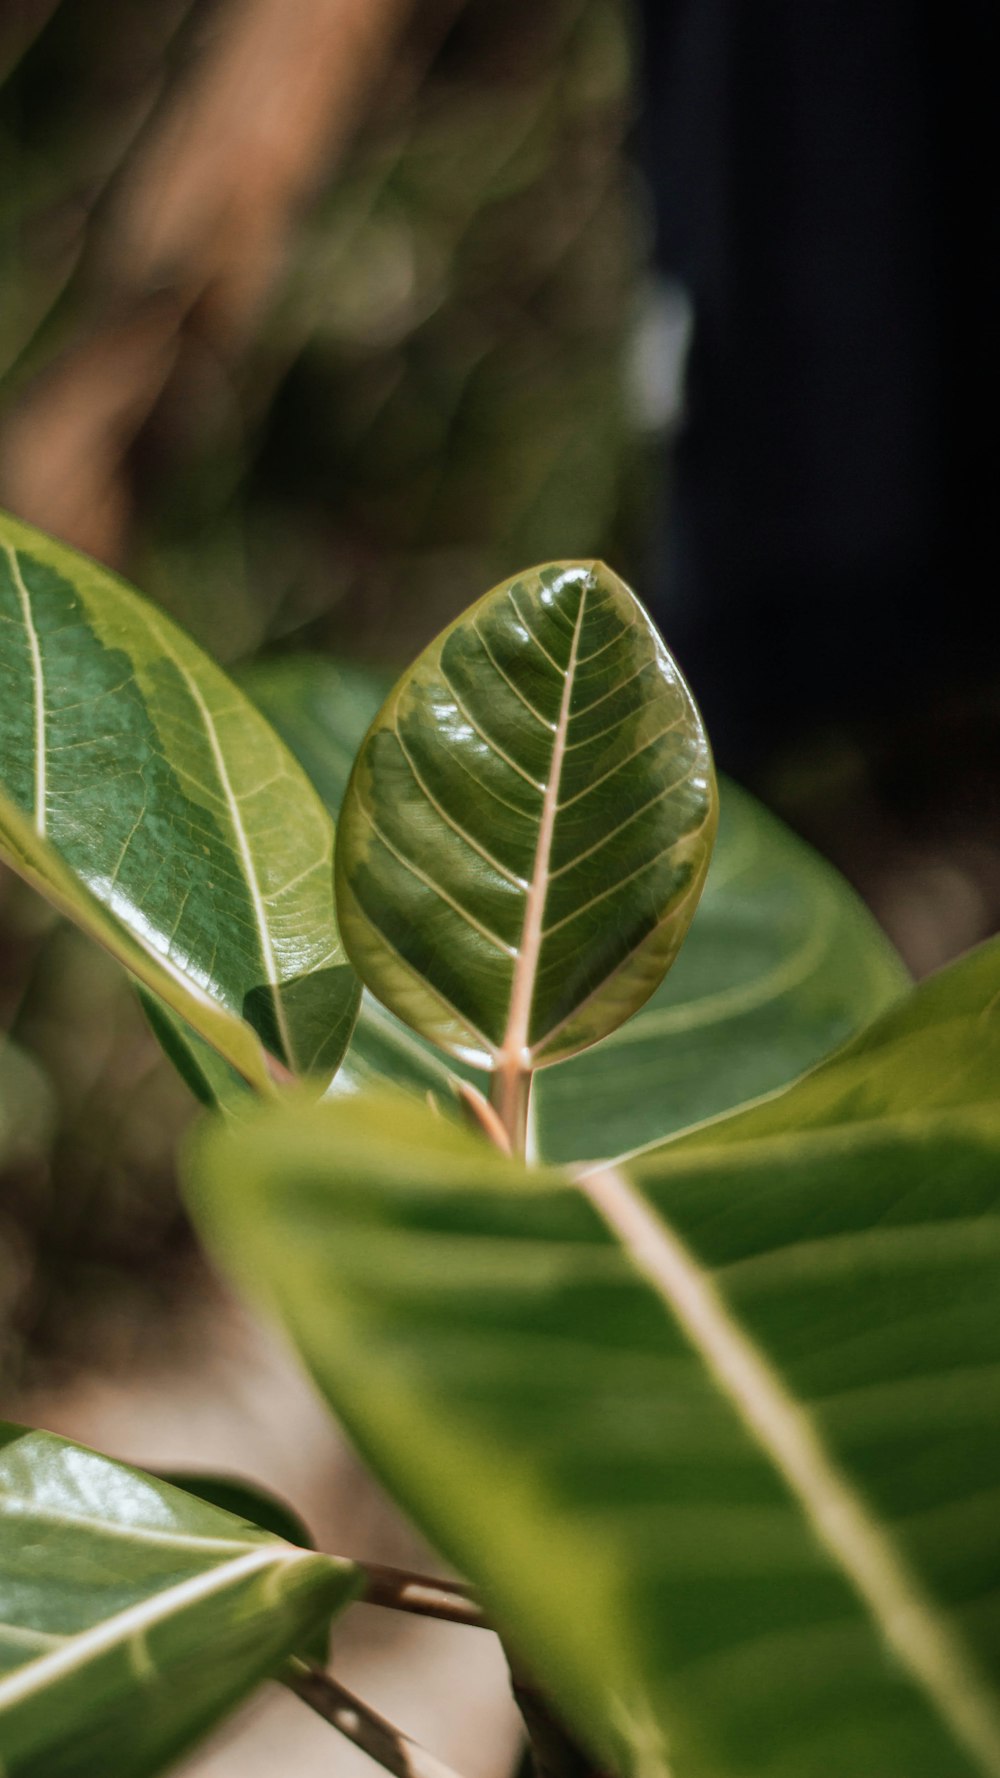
(717, 1432)
(782, 964)
(528, 823)
(322, 710)
(132, 1615)
(146, 775)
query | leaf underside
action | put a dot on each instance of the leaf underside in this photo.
(528, 824)
(146, 774)
(133, 1615)
(717, 1433)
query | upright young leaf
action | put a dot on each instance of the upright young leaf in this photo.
(718, 1432)
(133, 1615)
(782, 964)
(148, 774)
(323, 710)
(528, 824)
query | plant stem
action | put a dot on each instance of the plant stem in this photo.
(554, 1751)
(381, 1740)
(510, 1096)
(402, 1591)
(484, 1115)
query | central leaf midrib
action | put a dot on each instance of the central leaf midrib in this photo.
(928, 1646)
(137, 1619)
(514, 1048)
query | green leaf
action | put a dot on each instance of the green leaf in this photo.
(246, 1500)
(41, 866)
(144, 775)
(210, 1077)
(782, 964)
(383, 1048)
(528, 824)
(132, 1615)
(322, 710)
(718, 1432)
(249, 1501)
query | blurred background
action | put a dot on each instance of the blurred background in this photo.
(317, 318)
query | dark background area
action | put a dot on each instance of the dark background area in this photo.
(823, 188)
(822, 180)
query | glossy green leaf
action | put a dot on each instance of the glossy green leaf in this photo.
(132, 1615)
(322, 709)
(528, 824)
(146, 776)
(41, 866)
(717, 1433)
(258, 1506)
(782, 964)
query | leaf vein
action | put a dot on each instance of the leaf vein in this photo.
(629, 757)
(38, 691)
(914, 1625)
(491, 937)
(455, 826)
(508, 681)
(491, 744)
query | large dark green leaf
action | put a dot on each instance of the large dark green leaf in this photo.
(782, 963)
(133, 1615)
(717, 1433)
(528, 824)
(145, 775)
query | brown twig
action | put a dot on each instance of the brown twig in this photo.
(484, 1115)
(380, 1739)
(555, 1753)
(399, 1590)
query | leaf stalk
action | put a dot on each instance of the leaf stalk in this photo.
(510, 1096)
(400, 1590)
(380, 1739)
